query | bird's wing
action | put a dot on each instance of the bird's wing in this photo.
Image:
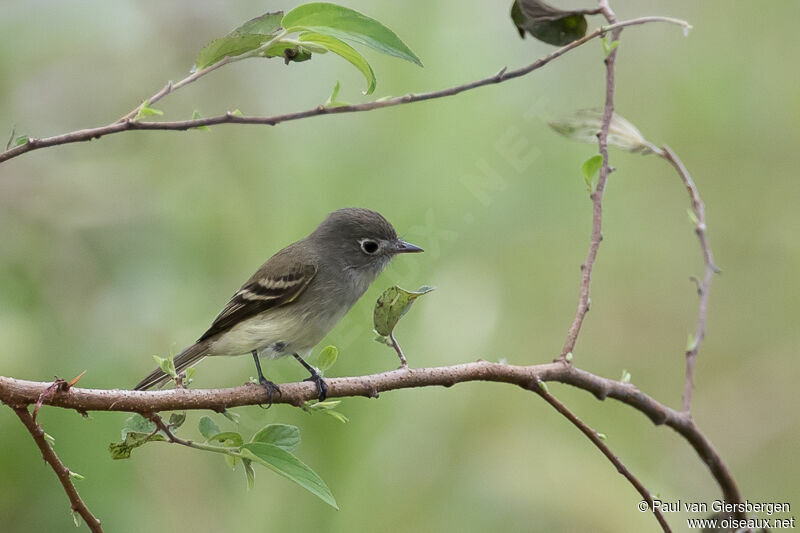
(278, 282)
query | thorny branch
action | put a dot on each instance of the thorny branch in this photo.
(50, 457)
(597, 195)
(593, 436)
(20, 394)
(127, 123)
(704, 285)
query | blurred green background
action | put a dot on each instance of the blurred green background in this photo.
(121, 248)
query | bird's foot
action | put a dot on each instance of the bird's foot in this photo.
(322, 387)
(271, 389)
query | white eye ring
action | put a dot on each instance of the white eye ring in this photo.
(369, 247)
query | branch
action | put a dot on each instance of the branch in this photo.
(593, 436)
(63, 473)
(704, 286)
(127, 123)
(597, 195)
(19, 393)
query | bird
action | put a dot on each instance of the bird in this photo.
(298, 295)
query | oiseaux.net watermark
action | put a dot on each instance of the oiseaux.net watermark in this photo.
(721, 514)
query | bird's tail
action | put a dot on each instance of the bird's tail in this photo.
(183, 360)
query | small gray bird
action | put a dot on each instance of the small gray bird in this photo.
(298, 295)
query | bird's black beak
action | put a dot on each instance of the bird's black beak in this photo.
(403, 247)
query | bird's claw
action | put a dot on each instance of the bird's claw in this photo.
(322, 387)
(271, 389)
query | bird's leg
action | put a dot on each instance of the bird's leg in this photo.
(269, 386)
(322, 387)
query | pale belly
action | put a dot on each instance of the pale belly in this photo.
(274, 336)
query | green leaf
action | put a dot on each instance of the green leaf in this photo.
(608, 47)
(146, 111)
(22, 139)
(75, 475)
(602, 436)
(290, 467)
(167, 365)
(247, 37)
(333, 99)
(236, 112)
(547, 23)
(392, 305)
(543, 386)
(692, 216)
(230, 415)
(626, 376)
(590, 168)
(337, 415)
(345, 51)
(136, 423)
(585, 124)
(283, 436)
(136, 431)
(76, 518)
(195, 116)
(266, 24)
(176, 420)
(249, 472)
(327, 357)
(314, 405)
(51, 440)
(230, 439)
(208, 428)
(343, 23)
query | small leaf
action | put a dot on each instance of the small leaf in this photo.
(608, 48)
(585, 124)
(602, 436)
(176, 420)
(626, 376)
(290, 467)
(281, 435)
(50, 439)
(349, 25)
(136, 423)
(146, 111)
(230, 439)
(22, 139)
(543, 386)
(191, 372)
(691, 344)
(314, 405)
(76, 518)
(392, 305)
(236, 113)
(249, 472)
(547, 23)
(208, 428)
(327, 357)
(692, 216)
(345, 51)
(136, 431)
(231, 461)
(167, 365)
(196, 116)
(247, 37)
(590, 168)
(568, 357)
(338, 416)
(230, 415)
(75, 475)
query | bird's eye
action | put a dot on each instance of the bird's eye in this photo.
(369, 247)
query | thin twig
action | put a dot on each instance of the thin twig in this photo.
(704, 286)
(19, 393)
(541, 390)
(50, 457)
(398, 350)
(229, 118)
(597, 195)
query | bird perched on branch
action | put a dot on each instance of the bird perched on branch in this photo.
(298, 295)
